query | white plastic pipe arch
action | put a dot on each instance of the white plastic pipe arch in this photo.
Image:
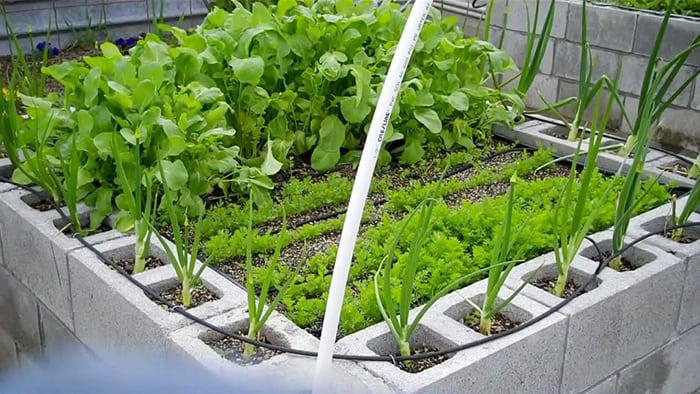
(382, 114)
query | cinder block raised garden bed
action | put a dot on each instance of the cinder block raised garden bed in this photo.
(244, 185)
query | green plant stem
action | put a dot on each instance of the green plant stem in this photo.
(404, 348)
(561, 283)
(186, 292)
(249, 348)
(616, 263)
(484, 324)
(141, 250)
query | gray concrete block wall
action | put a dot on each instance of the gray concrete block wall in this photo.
(107, 18)
(616, 36)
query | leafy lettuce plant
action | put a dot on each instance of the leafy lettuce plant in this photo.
(303, 78)
(396, 313)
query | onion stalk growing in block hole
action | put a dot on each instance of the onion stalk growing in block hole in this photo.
(570, 224)
(138, 197)
(500, 268)
(692, 203)
(656, 94)
(184, 258)
(396, 314)
(258, 312)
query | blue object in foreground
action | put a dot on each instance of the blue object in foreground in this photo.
(124, 373)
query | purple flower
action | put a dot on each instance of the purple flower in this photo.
(120, 42)
(54, 51)
(131, 41)
(41, 46)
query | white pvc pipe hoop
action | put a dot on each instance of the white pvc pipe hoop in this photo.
(358, 198)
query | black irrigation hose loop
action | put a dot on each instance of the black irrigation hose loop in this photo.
(612, 137)
(178, 309)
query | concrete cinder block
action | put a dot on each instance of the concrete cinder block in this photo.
(6, 172)
(624, 317)
(633, 69)
(289, 371)
(35, 251)
(110, 311)
(55, 336)
(567, 61)
(608, 27)
(515, 44)
(8, 352)
(570, 89)
(672, 369)
(18, 308)
(607, 386)
(518, 16)
(536, 134)
(679, 34)
(471, 370)
(545, 86)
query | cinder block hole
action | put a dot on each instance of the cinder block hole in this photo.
(6, 171)
(171, 290)
(39, 200)
(65, 226)
(632, 258)
(676, 166)
(123, 256)
(512, 313)
(561, 132)
(424, 339)
(688, 234)
(546, 277)
(232, 349)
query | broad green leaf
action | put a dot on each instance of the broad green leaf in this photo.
(323, 160)
(248, 70)
(90, 86)
(270, 165)
(103, 143)
(332, 133)
(175, 174)
(429, 119)
(110, 51)
(128, 135)
(352, 111)
(283, 6)
(144, 94)
(85, 122)
(458, 101)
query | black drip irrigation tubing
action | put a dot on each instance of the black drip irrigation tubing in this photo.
(350, 357)
(607, 135)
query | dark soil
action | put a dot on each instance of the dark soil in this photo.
(151, 263)
(200, 295)
(625, 265)
(316, 328)
(68, 230)
(547, 284)
(44, 205)
(677, 168)
(232, 350)
(416, 366)
(499, 323)
(684, 239)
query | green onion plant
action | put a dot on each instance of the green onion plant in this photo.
(258, 311)
(137, 199)
(396, 314)
(500, 268)
(656, 93)
(694, 170)
(570, 224)
(691, 205)
(184, 258)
